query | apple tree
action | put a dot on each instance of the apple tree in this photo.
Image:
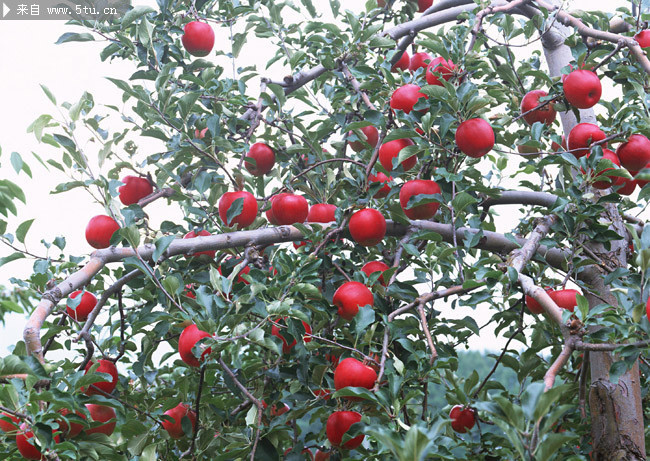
(290, 300)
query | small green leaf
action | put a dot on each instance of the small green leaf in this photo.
(22, 230)
(74, 37)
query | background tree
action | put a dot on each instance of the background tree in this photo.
(267, 330)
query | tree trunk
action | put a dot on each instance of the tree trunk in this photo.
(616, 409)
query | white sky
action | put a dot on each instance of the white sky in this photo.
(29, 58)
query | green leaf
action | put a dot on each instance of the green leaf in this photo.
(48, 93)
(134, 14)
(234, 210)
(16, 161)
(310, 7)
(22, 230)
(161, 245)
(364, 318)
(74, 37)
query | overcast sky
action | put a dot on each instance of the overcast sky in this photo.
(29, 58)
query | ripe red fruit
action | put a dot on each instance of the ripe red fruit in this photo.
(101, 414)
(532, 304)
(405, 97)
(27, 447)
(264, 159)
(375, 266)
(322, 213)
(290, 209)
(322, 455)
(371, 136)
(582, 88)
(643, 38)
(189, 291)
(462, 419)
(325, 394)
(248, 213)
(198, 38)
(350, 296)
(438, 69)
(175, 428)
(605, 183)
(85, 306)
(544, 114)
(627, 186)
(338, 424)
(367, 227)
(192, 234)
(239, 279)
(105, 366)
(423, 5)
(5, 425)
(557, 147)
(72, 430)
(134, 189)
(188, 339)
(475, 137)
(382, 178)
(419, 60)
(403, 63)
(352, 373)
(390, 150)
(635, 153)
(417, 187)
(269, 212)
(286, 347)
(647, 312)
(584, 135)
(99, 231)
(565, 299)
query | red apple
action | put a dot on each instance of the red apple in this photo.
(188, 339)
(105, 366)
(475, 137)
(99, 231)
(584, 135)
(647, 309)
(403, 63)
(322, 456)
(85, 306)
(290, 209)
(565, 299)
(370, 136)
(438, 69)
(352, 373)
(239, 279)
(381, 178)
(175, 428)
(134, 189)
(417, 187)
(405, 97)
(625, 186)
(338, 424)
(73, 429)
(375, 266)
(462, 419)
(635, 153)
(544, 114)
(582, 88)
(419, 60)
(605, 183)
(189, 291)
(322, 213)
(557, 147)
(643, 38)
(25, 443)
(367, 227)
(203, 233)
(101, 414)
(324, 394)
(264, 159)
(350, 296)
(286, 347)
(198, 38)
(6, 426)
(269, 212)
(248, 213)
(390, 150)
(532, 304)
(423, 5)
